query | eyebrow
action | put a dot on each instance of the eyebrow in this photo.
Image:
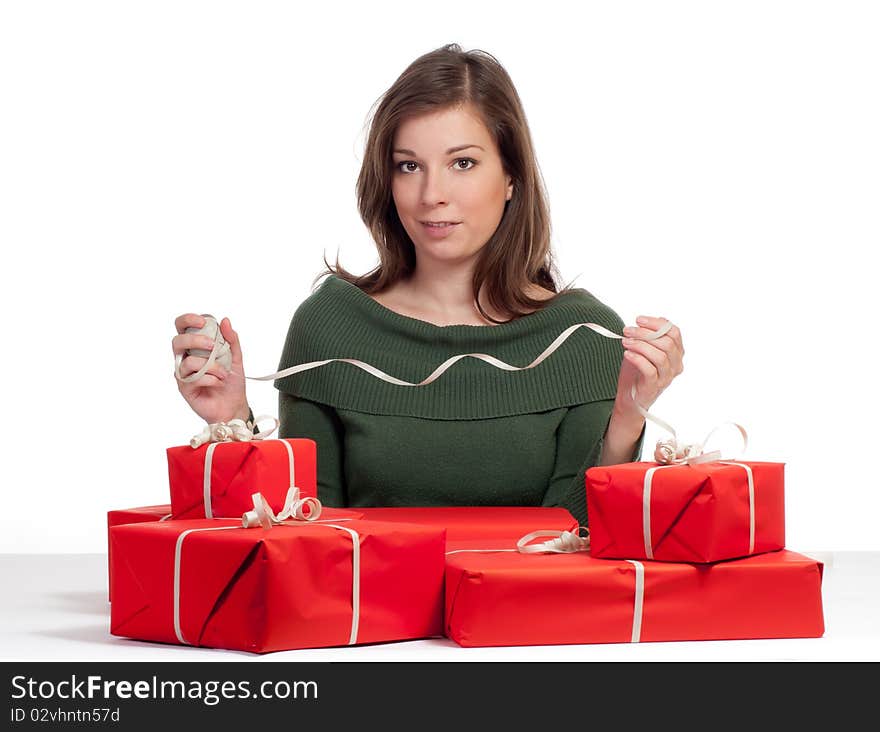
(448, 152)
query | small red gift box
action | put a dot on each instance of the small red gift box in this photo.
(473, 526)
(303, 584)
(513, 599)
(705, 512)
(217, 480)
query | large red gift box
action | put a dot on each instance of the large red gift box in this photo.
(217, 480)
(306, 584)
(473, 526)
(705, 512)
(512, 599)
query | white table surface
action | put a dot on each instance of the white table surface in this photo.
(55, 608)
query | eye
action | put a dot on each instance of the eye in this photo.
(400, 167)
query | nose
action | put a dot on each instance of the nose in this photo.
(435, 190)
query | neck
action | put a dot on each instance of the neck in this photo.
(444, 289)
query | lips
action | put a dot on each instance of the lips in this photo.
(439, 231)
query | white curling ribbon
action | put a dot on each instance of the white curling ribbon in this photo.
(235, 430)
(562, 542)
(299, 509)
(219, 341)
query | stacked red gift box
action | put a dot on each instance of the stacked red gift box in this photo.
(676, 552)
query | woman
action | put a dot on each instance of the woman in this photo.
(451, 192)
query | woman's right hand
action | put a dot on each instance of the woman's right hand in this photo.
(219, 395)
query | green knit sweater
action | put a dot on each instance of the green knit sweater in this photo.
(478, 435)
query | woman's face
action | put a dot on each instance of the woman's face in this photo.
(447, 168)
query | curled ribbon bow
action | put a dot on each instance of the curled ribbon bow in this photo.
(563, 542)
(672, 452)
(235, 430)
(300, 509)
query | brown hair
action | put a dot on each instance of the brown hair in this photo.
(518, 252)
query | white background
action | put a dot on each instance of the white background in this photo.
(713, 163)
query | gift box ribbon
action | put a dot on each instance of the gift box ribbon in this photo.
(209, 459)
(696, 458)
(570, 542)
(293, 509)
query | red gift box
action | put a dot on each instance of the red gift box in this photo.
(512, 599)
(217, 480)
(306, 584)
(473, 526)
(704, 512)
(163, 513)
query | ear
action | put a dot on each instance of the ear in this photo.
(509, 188)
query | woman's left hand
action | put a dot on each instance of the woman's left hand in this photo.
(649, 365)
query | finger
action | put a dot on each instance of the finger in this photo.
(191, 364)
(668, 363)
(667, 342)
(649, 327)
(658, 359)
(207, 380)
(645, 367)
(188, 320)
(184, 342)
(231, 338)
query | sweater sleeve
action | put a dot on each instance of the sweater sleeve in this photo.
(318, 422)
(579, 441)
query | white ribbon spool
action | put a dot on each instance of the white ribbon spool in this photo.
(221, 352)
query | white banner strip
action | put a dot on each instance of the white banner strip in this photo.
(355, 580)
(206, 480)
(177, 554)
(751, 479)
(639, 601)
(290, 460)
(646, 510)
